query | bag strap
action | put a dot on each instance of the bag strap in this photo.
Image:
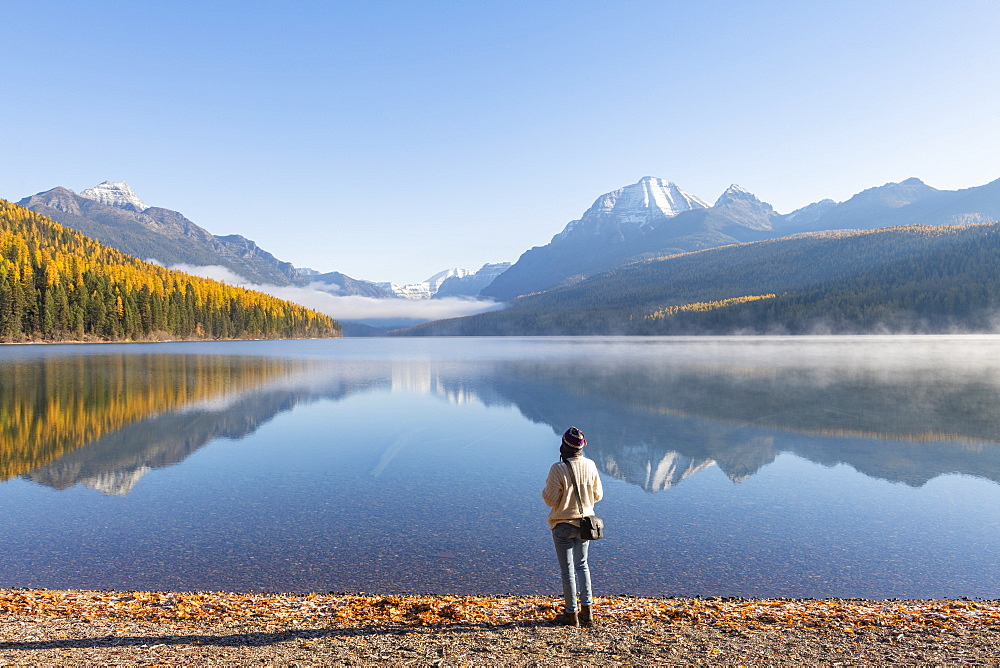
(579, 498)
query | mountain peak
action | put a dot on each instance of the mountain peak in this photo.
(622, 213)
(745, 208)
(893, 195)
(652, 193)
(115, 193)
(649, 195)
(736, 193)
(435, 281)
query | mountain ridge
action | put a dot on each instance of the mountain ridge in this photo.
(737, 216)
(158, 234)
(905, 279)
(113, 214)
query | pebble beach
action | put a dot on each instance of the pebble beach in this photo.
(69, 627)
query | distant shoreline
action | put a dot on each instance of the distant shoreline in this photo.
(102, 341)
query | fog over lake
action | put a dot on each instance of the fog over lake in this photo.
(759, 466)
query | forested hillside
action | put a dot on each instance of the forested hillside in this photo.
(56, 284)
(916, 278)
(156, 233)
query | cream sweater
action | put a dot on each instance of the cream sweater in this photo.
(560, 496)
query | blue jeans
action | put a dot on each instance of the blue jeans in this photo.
(571, 549)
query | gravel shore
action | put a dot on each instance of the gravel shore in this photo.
(42, 627)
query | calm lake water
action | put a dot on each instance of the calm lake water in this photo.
(826, 466)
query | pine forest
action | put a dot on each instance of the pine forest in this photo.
(58, 285)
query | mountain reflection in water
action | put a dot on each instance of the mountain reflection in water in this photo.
(104, 421)
(653, 421)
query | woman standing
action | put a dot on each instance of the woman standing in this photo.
(564, 519)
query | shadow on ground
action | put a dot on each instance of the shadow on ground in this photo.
(258, 639)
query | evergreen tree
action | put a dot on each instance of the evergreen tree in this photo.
(56, 284)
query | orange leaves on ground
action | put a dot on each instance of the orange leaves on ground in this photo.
(431, 610)
(318, 610)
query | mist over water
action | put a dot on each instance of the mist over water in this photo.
(324, 298)
(767, 466)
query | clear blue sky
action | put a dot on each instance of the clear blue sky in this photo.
(390, 140)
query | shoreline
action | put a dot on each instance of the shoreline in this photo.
(85, 342)
(77, 627)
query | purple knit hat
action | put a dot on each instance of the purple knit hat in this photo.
(573, 442)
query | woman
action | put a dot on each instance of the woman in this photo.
(564, 520)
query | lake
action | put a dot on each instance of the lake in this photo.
(764, 466)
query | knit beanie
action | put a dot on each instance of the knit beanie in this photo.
(573, 442)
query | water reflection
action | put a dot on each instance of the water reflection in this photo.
(104, 421)
(652, 419)
(385, 465)
(656, 424)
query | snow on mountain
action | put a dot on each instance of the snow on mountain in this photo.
(735, 193)
(472, 284)
(429, 288)
(630, 208)
(650, 193)
(409, 290)
(117, 194)
(114, 215)
(447, 283)
(423, 289)
(435, 281)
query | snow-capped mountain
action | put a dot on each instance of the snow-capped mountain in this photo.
(435, 281)
(115, 193)
(447, 283)
(626, 212)
(424, 289)
(616, 228)
(420, 290)
(472, 284)
(654, 218)
(114, 215)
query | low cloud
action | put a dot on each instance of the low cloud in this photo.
(323, 297)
